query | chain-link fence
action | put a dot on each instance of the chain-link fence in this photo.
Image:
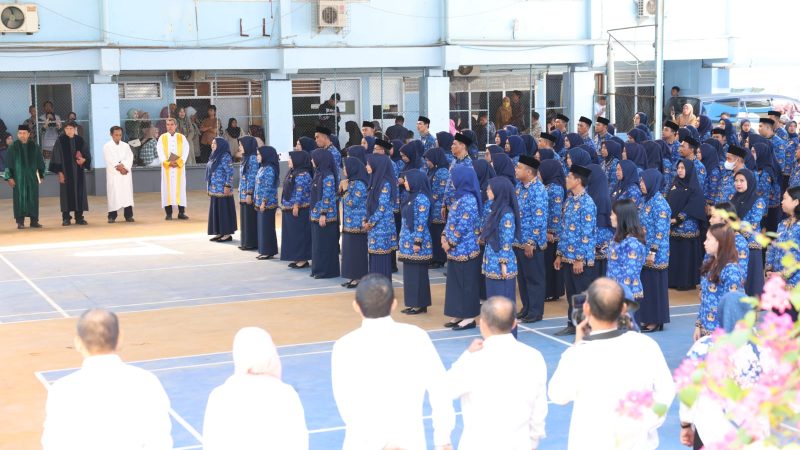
(43, 102)
(634, 92)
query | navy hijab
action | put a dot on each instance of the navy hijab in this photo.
(269, 158)
(653, 152)
(504, 167)
(530, 144)
(358, 152)
(505, 201)
(495, 149)
(546, 154)
(579, 156)
(301, 163)
(307, 144)
(503, 136)
(517, 146)
(397, 144)
(324, 165)
(438, 158)
(647, 134)
(512, 130)
(710, 157)
(574, 140)
(744, 201)
(730, 132)
(635, 153)
(614, 150)
(653, 181)
(765, 160)
(686, 195)
(216, 157)
(638, 135)
(485, 172)
(630, 175)
(465, 182)
(704, 126)
(445, 140)
(598, 190)
(559, 145)
(370, 144)
(382, 173)
(417, 185)
(552, 172)
(250, 146)
(356, 170)
(413, 151)
(718, 148)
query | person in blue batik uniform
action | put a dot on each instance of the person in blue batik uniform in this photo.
(500, 233)
(667, 165)
(306, 144)
(626, 252)
(768, 180)
(734, 162)
(416, 249)
(721, 275)
(531, 148)
(529, 248)
(708, 155)
(577, 156)
(459, 149)
(575, 254)
(355, 259)
(628, 183)
(687, 204)
(438, 177)
(247, 182)
(411, 155)
(585, 131)
(742, 248)
(633, 151)
(601, 132)
(358, 152)
(547, 141)
(670, 136)
(444, 140)
(503, 165)
(771, 130)
(265, 201)
(423, 126)
(792, 141)
(751, 209)
(687, 150)
(322, 137)
(324, 216)
(611, 152)
(553, 180)
(788, 231)
(485, 172)
(501, 137)
(460, 241)
(730, 132)
(704, 128)
(295, 225)
(368, 142)
(655, 215)
(515, 148)
(598, 190)
(219, 178)
(381, 198)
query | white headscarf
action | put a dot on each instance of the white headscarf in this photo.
(254, 353)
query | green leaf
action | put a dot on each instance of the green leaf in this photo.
(689, 395)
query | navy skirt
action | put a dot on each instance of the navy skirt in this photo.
(381, 264)
(267, 238)
(324, 250)
(249, 233)
(416, 285)
(684, 263)
(554, 279)
(502, 288)
(221, 216)
(295, 236)
(654, 307)
(601, 265)
(754, 281)
(482, 292)
(461, 298)
(355, 259)
(439, 256)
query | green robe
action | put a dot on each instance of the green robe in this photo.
(23, 161)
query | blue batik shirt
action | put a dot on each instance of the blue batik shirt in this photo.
(428, 141)
(266, 190)
(463, 229)
(221, 178)
(633, 192)
(731, 279)
(711, 189)
(669, 175)
(354, 207)
(768, 189)
(532, 199)
(555, 206)
(702, 175)
(577, 241)
(788, 231)
(419, 234)
(448, 195)
(382, 238)
(492, 259)
(655, 217)
(337, 155)
(611, 171)
(438, 188)
(625, 262)
(779, 150)
(327, 205)
(302, 192)
(753, 217)
(726, 188)
(247, 180)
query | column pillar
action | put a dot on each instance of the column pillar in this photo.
(278, 100)
(581, 98)
(435, 100)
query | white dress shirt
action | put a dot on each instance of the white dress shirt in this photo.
(252, 412)
(107, 404)
(503, 391)
(596, 375)
(380, 373)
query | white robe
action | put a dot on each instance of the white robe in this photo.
(107, 404)
(119, 187)
(173, 179)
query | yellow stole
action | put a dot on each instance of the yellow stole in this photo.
(165, 145)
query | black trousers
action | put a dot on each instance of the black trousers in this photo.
(531, 282)
(21, 220)
(168, 209)
(67, 215)
(576, 283)
(127, 212)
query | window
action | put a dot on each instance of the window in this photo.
(140, 90)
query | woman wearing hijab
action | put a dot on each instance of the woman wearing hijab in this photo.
(750, 209)
(219, 179)
(324, 216)
(306, 144)
(503, 115)
(768, 181)
(530, 144)
(686, 117)
(232, 134)
(354, 135)
(254, 405)
(438, 176)
(572, 140)
(501, 138)
(687, 205)
(543, 154)
(598, 190)
(416, 249)
(503, 167)
(633, 151)
(515, 148)
(555, 184)
(708, 156)
(626, 251)
(721, 153)
(247, 181)
(444, 140)
(295, 225)
(788, 231)
(653, 312)
(577, 156)
(187, 128)
(358, 152)
(744, 134)
(368, 142)
(637, 135)
(485, 172)
(500, 232)
(628, 183)
(611, 152)
(411, 154)
(355, 259)
(648, 135)
(704, 128)
(460, 241)
(265, 200)
(381, 199)
(730, 132)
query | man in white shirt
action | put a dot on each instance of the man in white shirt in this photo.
(173, 151)
(380, 373)
(502, 385)
(119, 181)
(601, 369)
(106, 404)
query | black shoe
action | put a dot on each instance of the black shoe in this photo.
(451, 324)
(531, 319)
(264, 257)
(216, 238)
(318, 277)
(653, 329)
(168, 217)
(406, 310)
(129, 219)
(246, 248)
(395, 270)
(81, 222)
(415, 311)
(111, 220)
(292, 265)
(183, 216)
(36, 225)
(20, 226)
(468, 326)
(227, 239)
(552, 299)
(65, 223)
(299, 266)
(521, 314)
(569, 330)
(352, 284)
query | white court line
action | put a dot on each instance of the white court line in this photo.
(80, 244)
(552, 338)
(34, 286)
(340, 428)
(196, 434)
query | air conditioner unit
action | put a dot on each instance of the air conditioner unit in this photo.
(19, 18)
(646, 8)
(188, 75)
(332, 14)
(467, 71)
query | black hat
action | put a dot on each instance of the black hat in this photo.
(691, 141)
(774, 113)
(737, 151)
(671, 125)
(324, 130)
(386, 145)
(529, 161)
(719, 131)
(580, 170)
(766, 120)
(367, 124)
(462, 138)
(23, 128)
(603, 120)
(424, 120)
(585, 120)
(548, 136)
(71, 123)
(562, 117)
